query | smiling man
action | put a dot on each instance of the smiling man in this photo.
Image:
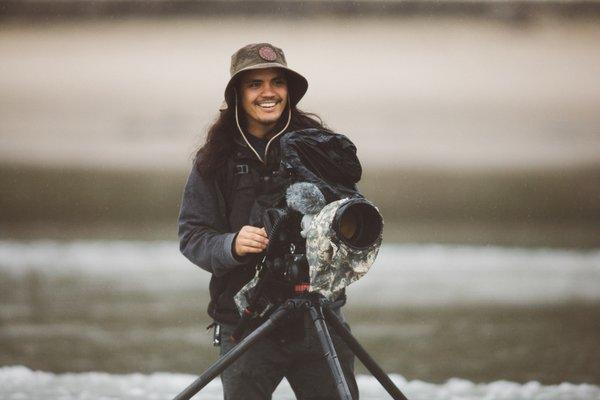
(220, 223)
(264, 97)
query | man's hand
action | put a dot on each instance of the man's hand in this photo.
(250, 239)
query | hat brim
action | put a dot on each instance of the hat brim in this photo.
(297, 84)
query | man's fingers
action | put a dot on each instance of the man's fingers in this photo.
(253, 233)
(251, 239)
(257, 238)
(255, 249)
(248, 249)
(255, 230)
(253, 243)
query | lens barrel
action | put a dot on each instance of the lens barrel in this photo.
(358, 223)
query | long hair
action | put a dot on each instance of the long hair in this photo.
(219, 144)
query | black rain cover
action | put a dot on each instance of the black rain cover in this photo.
(324, 158)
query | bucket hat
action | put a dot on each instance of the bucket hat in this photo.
(259, 56)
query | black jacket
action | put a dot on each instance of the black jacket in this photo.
(211, 214)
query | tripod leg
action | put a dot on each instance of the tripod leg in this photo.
(363, 356)
(227, 359)
(330, 353)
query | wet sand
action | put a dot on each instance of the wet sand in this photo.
(411, 92)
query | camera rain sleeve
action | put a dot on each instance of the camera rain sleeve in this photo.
(323, 158)
(341, 244)
(343, 231)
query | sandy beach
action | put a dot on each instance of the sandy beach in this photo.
(411, 92)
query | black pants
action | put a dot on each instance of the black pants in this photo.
(256, 374)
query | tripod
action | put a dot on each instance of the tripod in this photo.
(319, 312)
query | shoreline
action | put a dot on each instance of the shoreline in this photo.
(525, 208)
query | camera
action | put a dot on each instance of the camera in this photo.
(323, 234)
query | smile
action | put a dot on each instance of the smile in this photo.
(268, 104)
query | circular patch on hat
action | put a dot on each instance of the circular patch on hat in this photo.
(267, 53)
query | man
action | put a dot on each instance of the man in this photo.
(220, 222)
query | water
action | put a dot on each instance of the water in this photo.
(423, 274)
(427, 312)
(17, 383)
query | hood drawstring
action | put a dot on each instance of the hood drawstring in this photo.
(237, 122)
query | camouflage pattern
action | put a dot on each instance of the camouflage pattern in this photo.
(333, 264)
(242, 297)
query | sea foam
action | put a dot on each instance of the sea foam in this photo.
(18, 382)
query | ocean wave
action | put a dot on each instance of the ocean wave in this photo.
(402, 274)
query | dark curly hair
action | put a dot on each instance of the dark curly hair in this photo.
(211, 156)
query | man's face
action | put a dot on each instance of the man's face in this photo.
(264, 94)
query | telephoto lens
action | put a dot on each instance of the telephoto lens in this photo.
(357, 223)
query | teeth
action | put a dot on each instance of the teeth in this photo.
(267, 104)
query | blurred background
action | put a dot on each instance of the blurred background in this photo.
(477, 123)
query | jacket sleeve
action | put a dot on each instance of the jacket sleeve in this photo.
(202, 236)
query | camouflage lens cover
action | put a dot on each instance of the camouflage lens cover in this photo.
(333, 264)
